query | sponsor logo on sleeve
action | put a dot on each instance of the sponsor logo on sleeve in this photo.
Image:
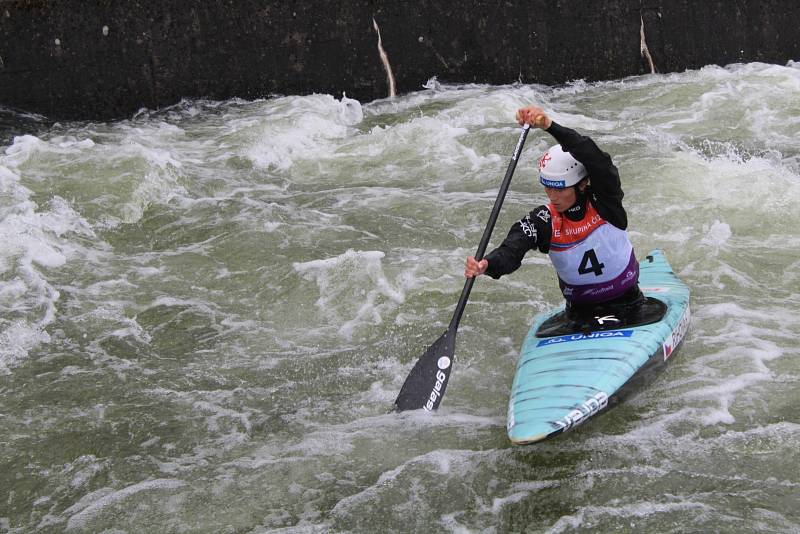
(544, 215)
(527, 228)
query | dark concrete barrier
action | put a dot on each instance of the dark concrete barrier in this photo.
(98, 59)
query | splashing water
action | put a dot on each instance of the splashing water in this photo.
(206, 311)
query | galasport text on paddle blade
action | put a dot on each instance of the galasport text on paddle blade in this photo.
(428, 380)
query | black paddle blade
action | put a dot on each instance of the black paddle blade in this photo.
(427, 381)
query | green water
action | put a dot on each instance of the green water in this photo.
(206, 312)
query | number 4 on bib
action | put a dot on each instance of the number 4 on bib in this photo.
(590, 264)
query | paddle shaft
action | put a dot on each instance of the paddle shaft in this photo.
(427, 381)
(487, 233)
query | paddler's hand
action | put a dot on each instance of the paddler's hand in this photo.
(535, 116)
(474, 267)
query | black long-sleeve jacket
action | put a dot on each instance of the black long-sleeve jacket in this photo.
(534, 231)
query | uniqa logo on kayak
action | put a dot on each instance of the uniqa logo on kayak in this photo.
(580, 337)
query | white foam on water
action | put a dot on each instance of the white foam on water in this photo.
(717, 236)
(520, 492)
(218, 412)
(700, 153)
(83, 469)
(723, 182)
(17, 340)
(729, 362)
(96, 502)
(716, 458)
(130, 168)
(739, 278)
(484, 106)
(785, 432)
(433, 84)
(422, 142)
(725, 386)
(350, 111)
(443, 144)
(415, 103)
(326, 440)
(201, 306)
(137, 191)
(336, 279)
(34, 241)
(22, 149)
(298, 128)
(589, 515)
(228, 425)
(735, 311)
(441, 462)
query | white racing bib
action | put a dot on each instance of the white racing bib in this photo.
(593, 258)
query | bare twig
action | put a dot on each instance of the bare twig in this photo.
(385, 61)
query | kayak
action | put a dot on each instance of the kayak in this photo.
(572, 369)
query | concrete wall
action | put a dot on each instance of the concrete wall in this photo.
(97, 59)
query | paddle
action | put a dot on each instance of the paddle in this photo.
(427, 381)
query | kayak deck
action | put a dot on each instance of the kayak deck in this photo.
(562, 380)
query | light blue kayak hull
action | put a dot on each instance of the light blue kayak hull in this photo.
(562, 381)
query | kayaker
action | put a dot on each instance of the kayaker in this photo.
(582, 229)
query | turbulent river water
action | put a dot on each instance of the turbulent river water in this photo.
(206, 312)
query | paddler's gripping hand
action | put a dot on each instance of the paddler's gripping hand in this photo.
(474, 267)
(535, 116)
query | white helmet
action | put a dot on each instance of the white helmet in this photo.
(559, 170)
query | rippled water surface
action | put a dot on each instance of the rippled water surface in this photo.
(206, 312)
